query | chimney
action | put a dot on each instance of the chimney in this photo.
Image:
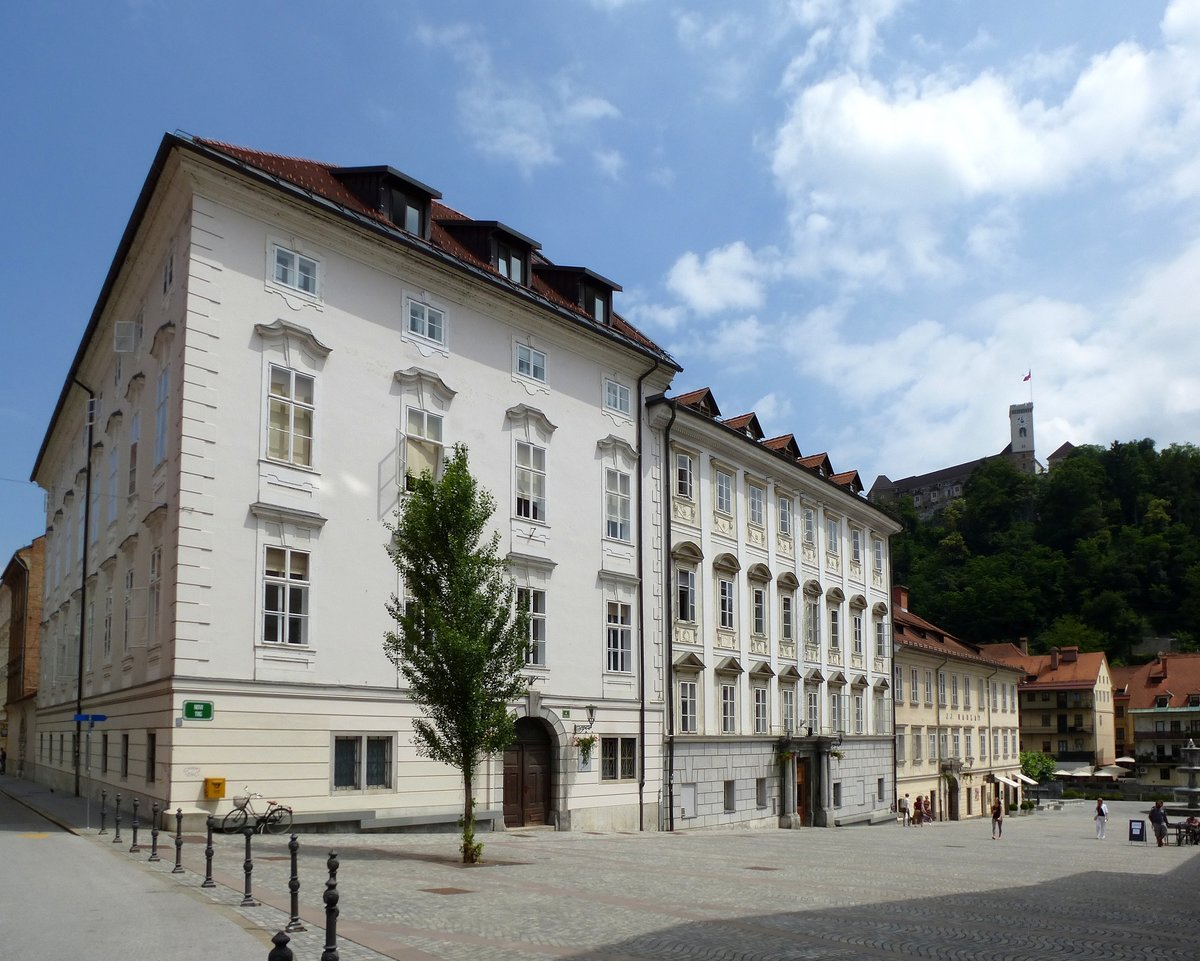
(1163, 661)
(1070, 654)
(1023, 644)
(900, 597)
(1054, 658)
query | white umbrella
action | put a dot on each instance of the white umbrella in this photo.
(1126, 760)
(1082, 772)
(1111, 771)
(1061, 773)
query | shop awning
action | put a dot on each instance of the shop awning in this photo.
(1003, 780)
(1024, 777)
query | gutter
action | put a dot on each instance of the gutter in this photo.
(637, 512)
(668, 612)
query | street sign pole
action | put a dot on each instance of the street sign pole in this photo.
(91, 720)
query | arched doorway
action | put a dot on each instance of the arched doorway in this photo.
(952, 797)
(528, 771)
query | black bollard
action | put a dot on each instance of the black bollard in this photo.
(331, 911)
(103, 811)
(117, 822)
(178, 869)
(208, 881)
(154, 836)
(133, 848)
(248, 866)
(281, 951)
(294, 886)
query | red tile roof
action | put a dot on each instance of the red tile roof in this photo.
(1076, 669)
(918, 634)
(1175, 675)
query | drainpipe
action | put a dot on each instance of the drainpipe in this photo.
(937, 672)
(987, 698)
(637, 512)
(87, 529)
(668, 619)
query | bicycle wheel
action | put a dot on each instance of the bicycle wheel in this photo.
(234, 821)
(279, 821)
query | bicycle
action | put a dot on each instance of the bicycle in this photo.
(276, 820)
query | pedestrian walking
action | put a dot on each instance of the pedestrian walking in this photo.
(905, 813)
(1101, 817)
(918, 811)
(997, 820)
(1158, 820)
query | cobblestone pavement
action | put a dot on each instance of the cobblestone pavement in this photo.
(1049, 890)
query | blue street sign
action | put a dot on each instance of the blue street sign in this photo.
(91, 718)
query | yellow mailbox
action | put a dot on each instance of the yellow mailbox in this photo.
(214, 788)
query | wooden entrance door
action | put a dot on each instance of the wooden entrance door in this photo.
(952, 799)
(802, 789)
(527, 775)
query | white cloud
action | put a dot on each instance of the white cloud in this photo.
(727, 277)
(773, 408)
(610, 163)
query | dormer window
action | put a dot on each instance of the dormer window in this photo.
(1162, 700)
(405, 202)
(590, 292)
(595, 302)
(406, 213)
(510, 262)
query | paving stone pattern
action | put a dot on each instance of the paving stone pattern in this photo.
(1049, 890)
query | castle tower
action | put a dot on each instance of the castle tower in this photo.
(1020, 420)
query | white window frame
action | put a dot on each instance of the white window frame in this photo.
(619, 638)
(833, 535)
(758, 595)
(787, 707)
(688, 707)
(289, 268)
(726, 604)
(424, 433)
(135, 430)
(880, 637)
(814, 710)
(835, 629)
(856, 545)
(618, 758)
(787, 615)
(618, 398)
(685, 475)
(285, 616)
(685, 594)
(529, 363)
(728, 707)
(757, 499)
(362, 753)
(529, 483)
(918, 744)
(812, 622)
(785, 516)
(856, 625)
(810, 526)
(723, 483)
(154, 596)
(878, 545)
(860, 713)
(162, 394)
(898, 681)
(761, 710)
(424, 322)
(618, 505)
(289, 405)
(533, 601)
(901, 757)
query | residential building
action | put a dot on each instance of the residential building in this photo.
(1164, 708)
(778, 654)
(20, 626)
(957, 719)
(1066, 703)
(1122, 720)
(277, 345)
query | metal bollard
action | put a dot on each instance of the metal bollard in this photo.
(294, 886)
(248, 866)
(178, 869)
(281, 951)
(103, 810)
(331, 911)
(134, 846)
(117, 822)
(154, 836)
(208, 881)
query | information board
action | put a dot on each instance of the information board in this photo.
(1137, 831)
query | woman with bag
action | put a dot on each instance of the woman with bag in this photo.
(1101, 817)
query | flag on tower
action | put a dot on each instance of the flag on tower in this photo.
(1028, 375)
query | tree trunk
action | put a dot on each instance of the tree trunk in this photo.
(470, 850)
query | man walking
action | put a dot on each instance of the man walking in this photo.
(905, 812)
(1158, 820)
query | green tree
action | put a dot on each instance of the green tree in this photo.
(458, 641)
(1037, 765)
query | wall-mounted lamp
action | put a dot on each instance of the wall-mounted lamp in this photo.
(591, 719)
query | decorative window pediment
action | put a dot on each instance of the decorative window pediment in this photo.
(835, 594)
(689, 662)
(727, 563)
(812, 588)
(286, 336)
(427, 387)
(114, 421)
(618, 447)
(729, 665)
(530, 562)
(134, 388)
(687, 552)
(277, 514)
(759, 572)
(858, 602)
(761, 669)
(532, 421)
(879, 608)
(787, 581)
(162, 340)
(789, 673)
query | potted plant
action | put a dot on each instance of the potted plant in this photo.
(585, 743)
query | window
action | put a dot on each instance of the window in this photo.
(760, 792)
(362, 761)
(785, 516)
(160, 418)
(878, 545)
(290, 425)
(814, 710)
(810, 526)
(154, 596)
(929, 687)
(787, 617)
(725, 595)
(996, 744)
(983, 743)
(426, 322)
(900, 748)
(683, 475)
(728, 709)
(860, 714)
(724, 492)
(127, 610)
(685, 581)
(617, 398)
(898, 674)
(168, 273)
(760, 710)
(913, 693)
(933, 745)
(534, 601)
(880, 789)
(151, 755)
(595, 303)
(620, 638)
(135, 428)
(759, 594)
(812, 624)
(967, 696)
(954, 690)
(113, 469)
(836, 715)
(758, 499)
(423, 448)
(618, 758)
(970, 748)
(617, 500)
(687, 707)
(881, 638)
(108, 615)
(788, 697)
(531, 363)
(296, 271)
(941, 678)
(833, 535)
(285, 596)
(509, 262)
(837, 794)
(124, 754)
(857, 625)
(856, 537)
(835, 634)
(531, 481)
(916, 744)
(103, 753)
(956, 744)
(730, 796)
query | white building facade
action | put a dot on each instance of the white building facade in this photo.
(277, 342)
(778, 653)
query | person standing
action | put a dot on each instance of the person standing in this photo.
(997, 819)
(1101, 817)
(918, 811)
(1158, 820)
(905, 813)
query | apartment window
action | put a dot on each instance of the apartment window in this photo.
(967, 695)
(618, 398)
(760, 710)
(880, 638)
(113, 470)
(168, 272)
(982, 688)
(900, 748)
(127, 611)
(836, 716)
(531, 363)
(860, 714)
(285, 596)
(898, 680)
(534, 602)
(996, 744)
(422, 448)
(954, 690)
(617, 501)
(835, 633)
(933, 745)
(787, 617)
(725, 595)
(595, 303)
(135, 428)
(154, 596)
(730, 796)
(103, 753)
(531, 481)
(618, 758)
(151, 755)
(812, 624)
(759, 595)
(758, 498)
(728, 709)
(684, 472)
(878, 545)
(362, 762)
(983, 743)
(619, 643)
(929, 687)
(1004, 741)
(814, 710)
(785, 516)
(916, 744)
(914, 689)
(685, 582)
(941, 679)
(995, 697)
(108, 616)
(955, 741)
(724, 492)
(687, 707)
(296, 271)
(856, 622)
(509, 262)
(833, 535)
(880, 789)
(291, 415)
(788, 699)
(967, 738)
(160, 416)
(856, 537)
(810, 526)
(426, 322)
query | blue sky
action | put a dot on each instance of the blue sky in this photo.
(863, 219)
